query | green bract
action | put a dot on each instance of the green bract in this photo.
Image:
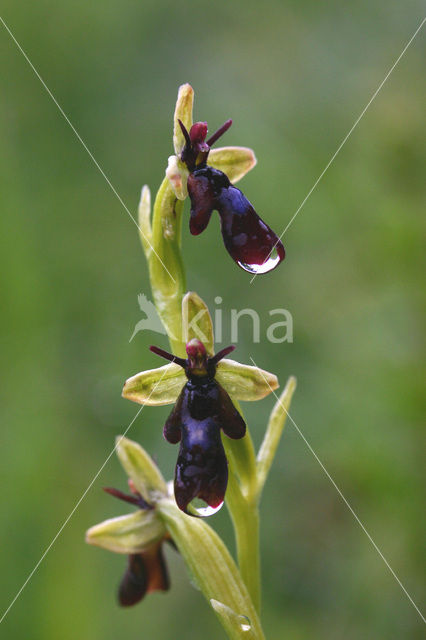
(161, 243)
(212, 567)
(141, 469)
(273, 433)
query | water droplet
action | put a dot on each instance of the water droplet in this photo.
(200, 508)
(246, 625)
(270, 263)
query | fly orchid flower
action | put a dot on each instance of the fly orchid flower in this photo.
(202, 410)
(250, 241)
(141, 534)
(146, 571)
(203, 387)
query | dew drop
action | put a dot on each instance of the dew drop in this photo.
(245, 625)
(200, 508)
(272, 261)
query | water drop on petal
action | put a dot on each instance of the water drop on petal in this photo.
(270, 263)
(200, 508)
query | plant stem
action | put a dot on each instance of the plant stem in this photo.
(244, 514)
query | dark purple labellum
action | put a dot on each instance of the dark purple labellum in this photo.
(250, 242)
(202, 410)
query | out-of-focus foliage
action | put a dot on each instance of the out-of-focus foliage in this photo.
(294, 76)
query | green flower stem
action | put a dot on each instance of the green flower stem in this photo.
(244, 514)
(241, 500)
(242, 459)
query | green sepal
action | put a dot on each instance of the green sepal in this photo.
(141, 469)
(196, 321)
(236, 162)
(244, 382)
(210, 563)
(183, 112)
(128, 534)
(155, 387)
(273, 433)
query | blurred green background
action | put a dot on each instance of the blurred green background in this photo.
(294, 76)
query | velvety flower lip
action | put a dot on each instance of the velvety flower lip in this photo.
(146, 571)
(202, 410)
(248, 239)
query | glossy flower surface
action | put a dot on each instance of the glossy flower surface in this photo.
(202, 410)
(250, 242)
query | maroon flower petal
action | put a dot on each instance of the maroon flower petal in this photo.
(146, 572)
(134, 583)
(250, 241)
(202, 203)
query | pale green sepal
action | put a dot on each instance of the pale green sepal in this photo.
(183, 112)
(140, 468)
(236, 162)
(128, 534)
(210, 562)
(236, 625)
(244, 382)
(144, 215)
(196, 321)
(273, 433)
(166, 268)
(178, 173)
(155, 387)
